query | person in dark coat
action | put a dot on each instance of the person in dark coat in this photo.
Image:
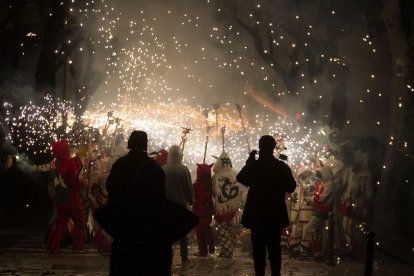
(120, 181)
(136, 173)
(265, 212)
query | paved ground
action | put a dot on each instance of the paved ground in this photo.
(22, 253)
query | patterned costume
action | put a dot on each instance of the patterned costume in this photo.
(333, 157)
(97, 198)
(301, 211)
(67, 199)
(322, 198)
(227, 198)
(357, 197)
(203, 208)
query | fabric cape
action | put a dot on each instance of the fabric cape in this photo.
(146, 217)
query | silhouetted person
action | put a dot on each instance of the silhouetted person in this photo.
(120, 181)
(137, 174)
(265, 211)
(8, 180)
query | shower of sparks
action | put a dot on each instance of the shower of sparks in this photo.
(140, 60)
(44, 124)
(35, 127)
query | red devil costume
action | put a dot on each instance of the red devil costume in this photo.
(67, 198)
(203, 208)
(161, 157)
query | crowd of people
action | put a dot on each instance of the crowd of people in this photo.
(273, 202)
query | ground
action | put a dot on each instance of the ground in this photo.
(23, 253)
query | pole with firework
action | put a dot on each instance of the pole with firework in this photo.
(222, 131)
(184, 132)
(216, 108)
(205, 113)
(238, 107)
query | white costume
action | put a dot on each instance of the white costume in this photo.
(357, 197)
(227, 201)
(301, 211)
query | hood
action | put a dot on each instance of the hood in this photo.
(223, 163)
(162, 157)
(204, 172)
(175, 156)
(61, 149)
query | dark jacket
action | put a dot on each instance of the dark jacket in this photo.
(122, 178)
(133, 181)
(269, 179)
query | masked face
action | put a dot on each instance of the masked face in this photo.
(223, 163)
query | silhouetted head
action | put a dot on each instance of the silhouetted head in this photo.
(138, 141)
(267, 144)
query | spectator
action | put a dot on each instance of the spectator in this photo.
(120, 180)
(265, 213)
(136, 173)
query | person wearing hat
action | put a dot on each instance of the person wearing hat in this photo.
(265, 212)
